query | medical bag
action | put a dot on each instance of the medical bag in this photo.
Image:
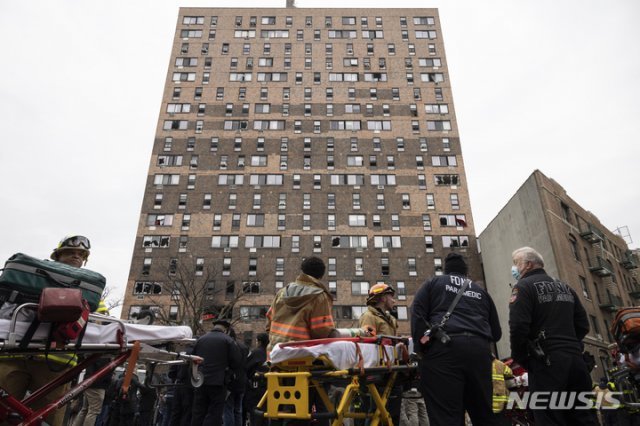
(24, 277)
(60, 304)
(72, 330)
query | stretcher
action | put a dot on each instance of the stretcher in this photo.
(519, 384)
(119, 340)
(301, 373)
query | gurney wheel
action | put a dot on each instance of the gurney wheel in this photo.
(198, 380)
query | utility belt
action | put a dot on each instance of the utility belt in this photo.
(467, 334)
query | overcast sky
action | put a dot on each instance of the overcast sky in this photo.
(549, 85)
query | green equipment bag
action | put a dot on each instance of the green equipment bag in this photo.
(24, 277)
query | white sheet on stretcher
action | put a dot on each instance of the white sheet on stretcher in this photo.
(95, 333)
(342, 354)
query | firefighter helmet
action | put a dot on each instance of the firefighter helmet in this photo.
(377, 291)
(76, 242)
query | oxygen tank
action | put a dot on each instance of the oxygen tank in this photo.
(354, 332)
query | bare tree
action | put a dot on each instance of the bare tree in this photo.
(196, 293)
(111, 301)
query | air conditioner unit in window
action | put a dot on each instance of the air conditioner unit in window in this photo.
(227, 250)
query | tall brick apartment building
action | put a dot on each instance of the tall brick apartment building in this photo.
(285, 133)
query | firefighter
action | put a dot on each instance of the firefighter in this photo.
(608, 409)
(378, 318)
(19, 374)
(302, 309)
(72, 250)
(500, 372)
(380, 304)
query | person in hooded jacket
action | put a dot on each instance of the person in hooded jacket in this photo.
(302, 309)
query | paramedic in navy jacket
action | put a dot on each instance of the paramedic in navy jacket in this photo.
(541, 306)
(456, 376)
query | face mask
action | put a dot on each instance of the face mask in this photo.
(515, 273)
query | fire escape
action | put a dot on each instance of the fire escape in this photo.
(630, 262)
(601, 266)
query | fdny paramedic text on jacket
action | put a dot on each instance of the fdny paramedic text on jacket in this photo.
(456, 377)
(538, 304)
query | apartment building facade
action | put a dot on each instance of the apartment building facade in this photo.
(286, 133)
(576, 248)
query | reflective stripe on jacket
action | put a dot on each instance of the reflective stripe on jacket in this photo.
(59, 359)
(300, 311)
(500, 393)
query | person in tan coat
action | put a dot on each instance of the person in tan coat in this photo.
(302, 309)
(500, 372)
(378, 316)
(18, 373)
